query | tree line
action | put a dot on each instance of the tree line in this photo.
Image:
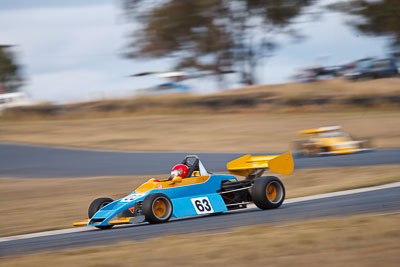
(218, 37)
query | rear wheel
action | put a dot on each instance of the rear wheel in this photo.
(311, 149)
(97, 205)
(157, 208)
(365, 144)
(268, 192)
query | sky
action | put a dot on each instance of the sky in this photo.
(71, 50)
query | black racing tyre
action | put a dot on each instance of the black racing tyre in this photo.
(268, 192)
(311, 149)
(104, 226)
(366, 144)
(98, 204)
(297, 147)
(157, 208)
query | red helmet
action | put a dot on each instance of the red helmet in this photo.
(180, 170)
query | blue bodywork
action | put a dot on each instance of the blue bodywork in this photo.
(181, 198)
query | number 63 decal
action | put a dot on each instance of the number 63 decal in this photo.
(202, 205)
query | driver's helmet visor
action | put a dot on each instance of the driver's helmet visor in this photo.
(176, 173)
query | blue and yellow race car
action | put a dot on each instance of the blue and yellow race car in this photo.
(198, 193)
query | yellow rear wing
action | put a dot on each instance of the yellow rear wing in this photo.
(320, 130)
(248, 164)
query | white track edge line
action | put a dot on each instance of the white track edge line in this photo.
(292, 200)
(342, 193)
(46, 233)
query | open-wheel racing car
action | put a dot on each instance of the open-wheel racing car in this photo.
(198, 193)
(329, 140)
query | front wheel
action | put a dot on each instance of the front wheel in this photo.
(268, 192)
(97, 205)
(157, 208)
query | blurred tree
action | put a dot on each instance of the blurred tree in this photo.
(378, 17)
(212, 36)
(10, 79)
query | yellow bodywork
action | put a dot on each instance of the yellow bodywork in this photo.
(334, 144)
(122, 220)
(155, 184)
(81, 223)
(245, 165)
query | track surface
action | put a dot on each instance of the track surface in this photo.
(384, 200)
(29, 161)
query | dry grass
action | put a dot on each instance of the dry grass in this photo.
(29, 205)
(335, 87)
(354, 241)
(254, 132)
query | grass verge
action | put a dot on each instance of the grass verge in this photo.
(355, 241)
(216, 132)
(31, 205)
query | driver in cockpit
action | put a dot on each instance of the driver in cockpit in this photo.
(180, 170)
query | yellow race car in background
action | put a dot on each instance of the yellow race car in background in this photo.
(329, 140)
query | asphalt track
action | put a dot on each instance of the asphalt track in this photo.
(30, 161)
(377, 201)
